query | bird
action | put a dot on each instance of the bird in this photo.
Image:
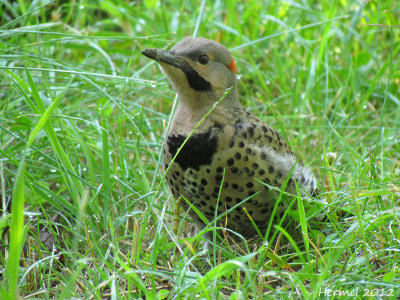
(217, 155)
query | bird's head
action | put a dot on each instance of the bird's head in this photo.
(197, 68)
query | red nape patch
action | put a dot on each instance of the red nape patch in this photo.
(232, 66)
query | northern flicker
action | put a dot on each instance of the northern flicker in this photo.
(231, 153)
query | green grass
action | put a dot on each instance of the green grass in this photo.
(84, 210)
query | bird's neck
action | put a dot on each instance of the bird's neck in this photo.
(216, 107)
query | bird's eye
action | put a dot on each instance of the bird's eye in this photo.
(204, 59)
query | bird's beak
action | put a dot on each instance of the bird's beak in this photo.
(164, 56)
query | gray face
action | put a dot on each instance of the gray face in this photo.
(194, 48)
(207, 65)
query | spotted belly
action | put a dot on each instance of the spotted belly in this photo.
(228, 178)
